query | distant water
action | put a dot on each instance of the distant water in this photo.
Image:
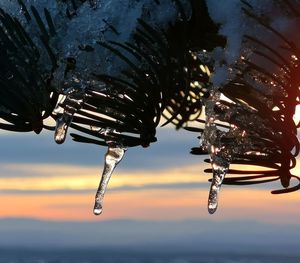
(93, 256)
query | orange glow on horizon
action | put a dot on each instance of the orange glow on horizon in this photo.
(60, 177)
(158, 204)
(156, 196)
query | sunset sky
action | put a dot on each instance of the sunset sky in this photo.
(163, 183)
(157, 198)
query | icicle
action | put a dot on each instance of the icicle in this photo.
(220, 153)
(62, 125)
(112, 157)
(71, 105)
(220, 168)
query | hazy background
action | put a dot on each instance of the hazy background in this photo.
(156, 204)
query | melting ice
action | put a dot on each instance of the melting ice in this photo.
(112, 157)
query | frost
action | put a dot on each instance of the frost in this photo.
(113, 21)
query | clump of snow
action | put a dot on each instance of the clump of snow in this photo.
(234, 25)
(114, 20)
(226, 13)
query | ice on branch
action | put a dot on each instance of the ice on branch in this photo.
(111, 70)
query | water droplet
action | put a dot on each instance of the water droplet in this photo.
(112, 157)
(220, 168)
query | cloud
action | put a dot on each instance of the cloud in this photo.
(155, 204)
(43, 180)
(172, 149)
(43, 177)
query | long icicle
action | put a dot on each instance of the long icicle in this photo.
(112, 157)
(220, 169)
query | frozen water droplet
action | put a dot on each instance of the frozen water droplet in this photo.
(98, 211)
(62, 125)
(71, 105)
(220, 168)
(112, 157)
